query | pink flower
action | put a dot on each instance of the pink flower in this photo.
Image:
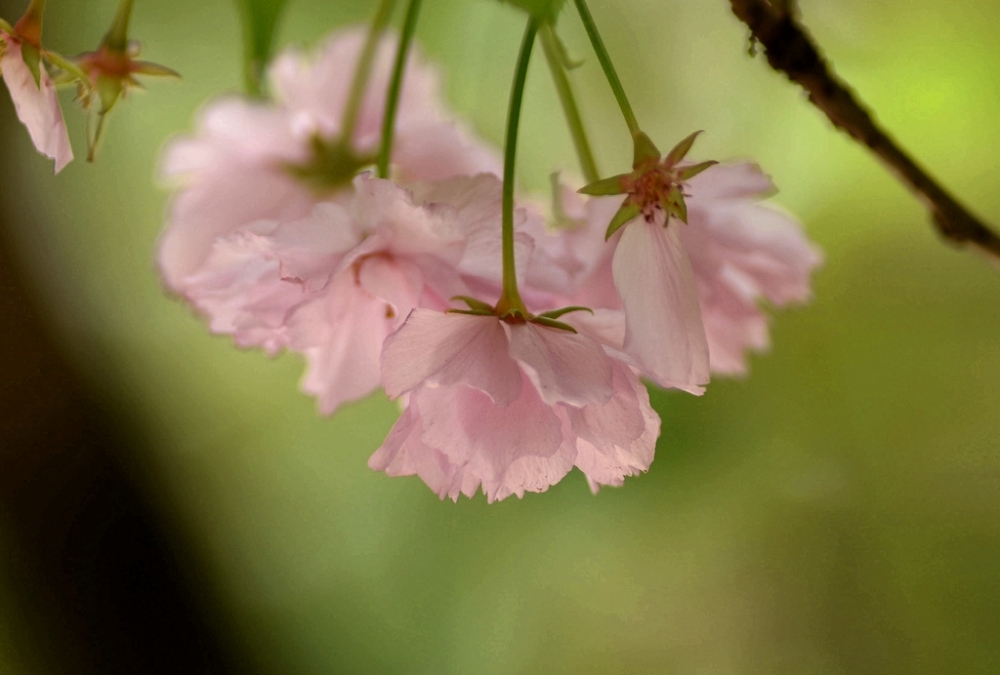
(334, 284)
(274, 161)
(733, 253)
(36, 103)
(510, 407)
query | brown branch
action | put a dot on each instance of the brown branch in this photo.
(790, 49)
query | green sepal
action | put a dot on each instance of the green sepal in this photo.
(333, 165)
(64, 64)
(6, 27)
(690, 172)
(470, 312)
(109, 90)
(556, 313)
(33, 59)
(644, 150)
(474, 304)
(154, 69)
(676, 206)
(627, 212)
(552, 323)
(116, 39)
(605, 186)
(680, 151)
(515, 314)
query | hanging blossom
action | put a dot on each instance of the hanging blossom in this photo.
(335, 283)
(510, 407)
(31, 88)
(274, 240)
(275, 160)
(691, 254)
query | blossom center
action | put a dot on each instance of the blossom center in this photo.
(651, 188)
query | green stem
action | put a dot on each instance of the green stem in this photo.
(395, 86)
(607, 66)
(554, 56)
(117, 38)
(364, 68)
(511, 298)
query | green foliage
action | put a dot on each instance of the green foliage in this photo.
(260, 22)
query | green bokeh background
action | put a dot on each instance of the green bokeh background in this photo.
(836, 512)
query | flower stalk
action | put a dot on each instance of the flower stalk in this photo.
(607, 66)
(364, 67)
(554, 56)
(510, 300)
(395, 87)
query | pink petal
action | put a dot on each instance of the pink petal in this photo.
(509, 449)
(617, 439)
(564, 367)
(664, 332)
(341, 335)
(310, 249)
(37, 106)
(404, 454)
(241, 291)
(732, 181)
(444, 350)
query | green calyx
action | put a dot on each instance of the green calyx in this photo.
(654, 185)
(333, 165)
(517, 315)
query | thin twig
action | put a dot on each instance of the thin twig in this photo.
(790, 49)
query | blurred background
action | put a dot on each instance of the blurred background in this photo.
(171, 504)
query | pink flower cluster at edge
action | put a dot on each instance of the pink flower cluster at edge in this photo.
(358, 280)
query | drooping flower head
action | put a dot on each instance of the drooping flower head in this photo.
(31, 88)
(510, 407)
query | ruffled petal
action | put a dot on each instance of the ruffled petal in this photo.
(509, 450)
(617, 439)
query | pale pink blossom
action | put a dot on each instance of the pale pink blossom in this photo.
(510, 407)
(334, 284)
(252, 161)
(734, 253)
(36, 103)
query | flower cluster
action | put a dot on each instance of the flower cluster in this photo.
(515, 346)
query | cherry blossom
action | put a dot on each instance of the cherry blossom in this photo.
(334, 284)
(35, 100)
(510, 407)
(738, 250)
(252, 161)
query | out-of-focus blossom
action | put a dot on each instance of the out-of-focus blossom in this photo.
(252, 161)
(510, 407)
(32, 91)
